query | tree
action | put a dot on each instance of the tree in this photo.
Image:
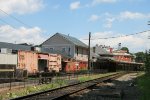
(147, 61)
(140, 57)
(125, 48)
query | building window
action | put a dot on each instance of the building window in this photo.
(63, 50)
(51, 49)
(77, 51)
(69, 51)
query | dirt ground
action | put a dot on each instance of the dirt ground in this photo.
(123, 88)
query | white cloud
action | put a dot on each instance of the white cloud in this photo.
(21, 34)
(135, 43)
(94, 18)
(95, 2)
(21, 6)
(75, 5)
(123, 16)
(109, 22)
(132, 15)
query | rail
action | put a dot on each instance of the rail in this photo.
(61, 92)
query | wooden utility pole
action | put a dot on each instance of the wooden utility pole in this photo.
(89, 67)
(148, 24)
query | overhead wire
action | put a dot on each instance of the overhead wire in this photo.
(18, 20)
(7, 23)
(119, 36)
(15, 18)
(2, 20)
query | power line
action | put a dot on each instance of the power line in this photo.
(120, 36)
(18, 20)
(13, 17)
(7, 23)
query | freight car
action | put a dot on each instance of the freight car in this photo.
(26, 63)
(35, 62)
(28, 60)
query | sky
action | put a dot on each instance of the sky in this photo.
(34, 21)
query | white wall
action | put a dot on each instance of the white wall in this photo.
(8, 59)
(82, 54)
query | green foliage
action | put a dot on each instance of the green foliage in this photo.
(44, 87)
(140, 57)
(1, 97)
(11, 95)
(143, 84)
(144, 58)
(86, 78)
(31, 89)
(147, 62)
(125, 48)
(61, 82)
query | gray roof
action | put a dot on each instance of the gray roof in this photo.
(74, 40)
(14, 46)
(104, 52)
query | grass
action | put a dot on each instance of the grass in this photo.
(44, 87)
(143, 82)
(90, 77)
(33, 89)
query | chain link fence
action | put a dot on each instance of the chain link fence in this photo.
(24, 81)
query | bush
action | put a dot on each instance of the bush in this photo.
(1, 97)
(147, 62)
(144, 86)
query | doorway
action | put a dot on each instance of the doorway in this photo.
(42, 65)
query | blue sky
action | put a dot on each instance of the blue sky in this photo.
(103, 18)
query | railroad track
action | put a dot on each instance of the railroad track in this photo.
(59, 93)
